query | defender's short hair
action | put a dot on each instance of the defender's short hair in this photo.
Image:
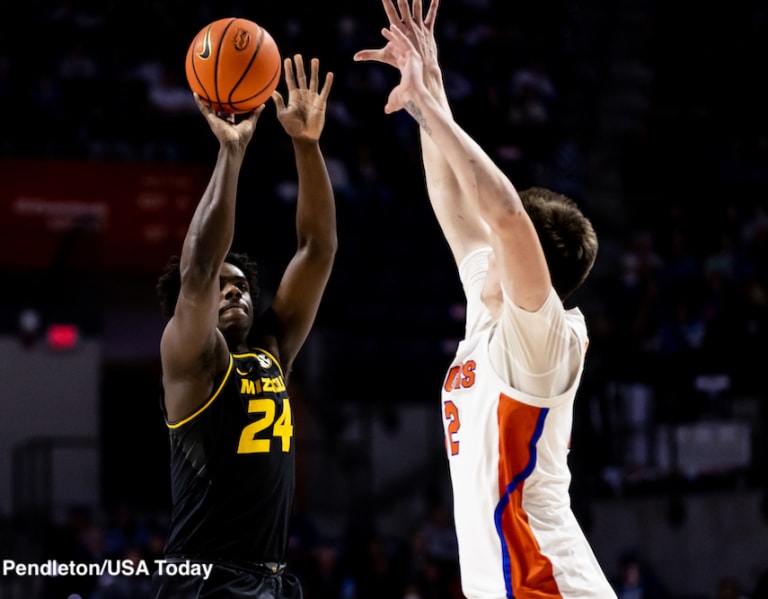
(566, 235)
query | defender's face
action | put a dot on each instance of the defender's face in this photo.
(235, 304)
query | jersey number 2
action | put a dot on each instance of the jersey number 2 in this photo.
(283, 427)
(452, 416)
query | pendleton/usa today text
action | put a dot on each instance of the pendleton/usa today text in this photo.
(107, 567)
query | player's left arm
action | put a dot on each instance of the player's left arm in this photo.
(301, 288)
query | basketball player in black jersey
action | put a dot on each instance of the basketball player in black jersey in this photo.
(225, 369)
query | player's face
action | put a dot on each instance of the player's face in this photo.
(235, 304)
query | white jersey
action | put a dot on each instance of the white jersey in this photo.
(508, 449)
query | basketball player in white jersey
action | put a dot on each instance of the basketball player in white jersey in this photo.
(507, 398)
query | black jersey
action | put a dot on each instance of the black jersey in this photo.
(233, 467)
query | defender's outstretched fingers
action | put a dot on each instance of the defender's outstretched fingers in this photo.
(417, 12)
(405, 13)
(429, 21)
(391, 11)
(399, 39)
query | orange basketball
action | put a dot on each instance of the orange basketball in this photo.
(234, 65)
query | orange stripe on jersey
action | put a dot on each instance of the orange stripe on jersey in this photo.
(527, 572)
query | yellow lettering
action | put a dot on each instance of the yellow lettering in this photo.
(275, 385)
(249, 387)
(248, 441)
(282, 427)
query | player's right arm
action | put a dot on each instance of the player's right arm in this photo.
(192, 349)
(459, 220)
(521, 263)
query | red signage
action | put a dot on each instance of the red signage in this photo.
(95, 216)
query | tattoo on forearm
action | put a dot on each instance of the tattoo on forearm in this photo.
(414, 111)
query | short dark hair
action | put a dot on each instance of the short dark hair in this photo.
(169, 283)
(566, 235)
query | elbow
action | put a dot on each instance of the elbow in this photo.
(321, 256)
(331, 242)
(501, 208)
(197, 276)
(200, 259)
(331, 247)
(326, 251)
(321, 249)
(506, 218)
(326, 243)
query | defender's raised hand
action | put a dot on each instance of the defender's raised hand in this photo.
(411, 67)
(420, 31)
